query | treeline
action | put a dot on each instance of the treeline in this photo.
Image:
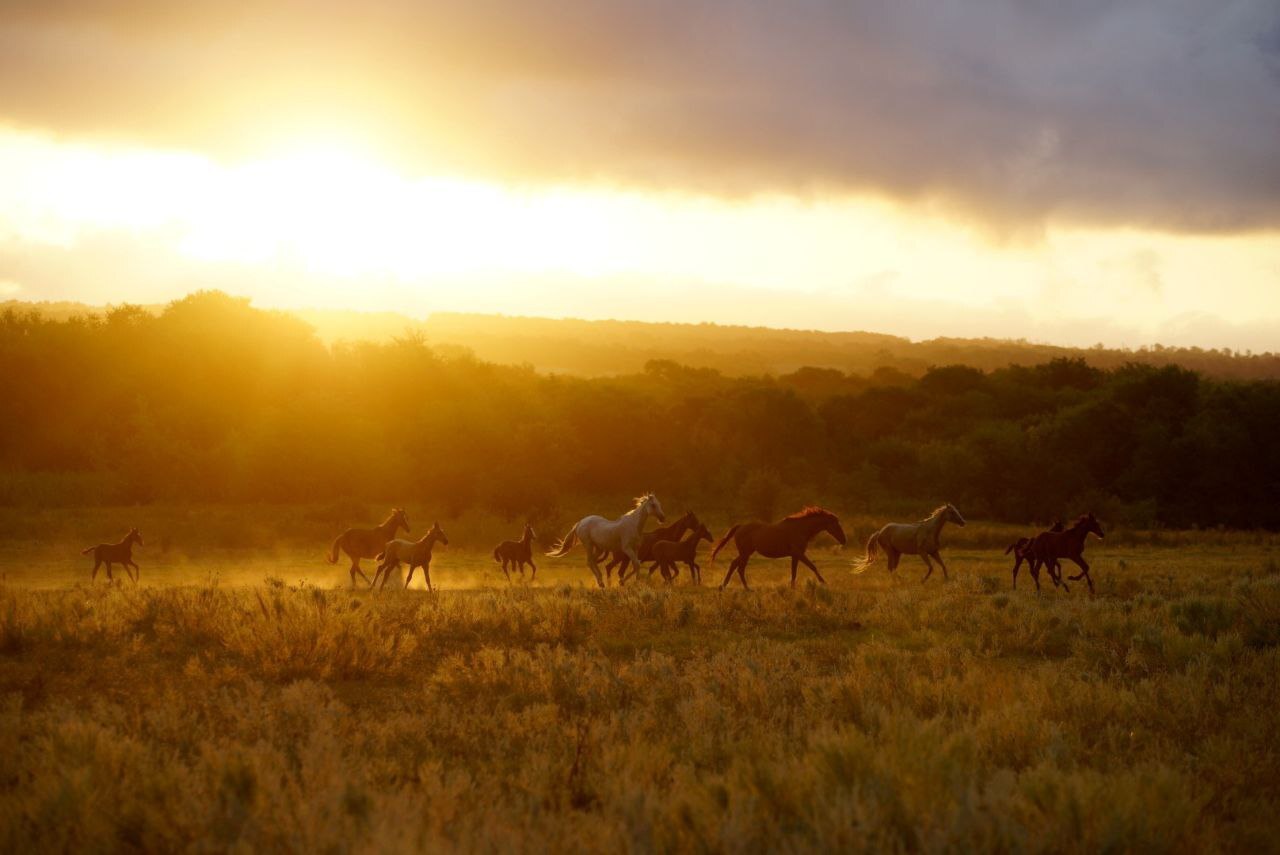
(613, 348)
(213, 400)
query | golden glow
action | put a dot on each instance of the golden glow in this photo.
(327, 222)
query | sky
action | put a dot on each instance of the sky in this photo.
(1078, 173)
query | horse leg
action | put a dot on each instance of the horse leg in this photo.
(595, 567)
(426, 572)
(943, 563)
(506, 572)
(111, 577)
(695, 573)
(742, 573)
(632, 560)
(733, 565)
(355, 568)
(407, 579)
(1017, 562)
(804, 559)
(386, 574)
(794, 562)
(894, 557)
(534, 574)
(137, 571)
(96, 564)
(1084, 571)
(929, 564)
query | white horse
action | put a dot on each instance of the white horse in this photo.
(898, 539)
(603, 536)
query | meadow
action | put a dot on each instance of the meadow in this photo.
(242, 698)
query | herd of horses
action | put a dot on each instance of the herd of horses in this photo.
(628, 547)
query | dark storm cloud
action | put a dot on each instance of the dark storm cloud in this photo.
(1159, 113)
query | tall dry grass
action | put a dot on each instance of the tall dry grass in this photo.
(876, 713)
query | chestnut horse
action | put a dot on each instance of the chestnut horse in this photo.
(414, 554)
(667, 553)
(785, 539)
(1021, 549)
(367, 542)
(116, 553)
(517, 553)
(1049, 546)
(644, 551)
(898, 539)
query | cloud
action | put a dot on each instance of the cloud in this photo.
(1153, 113)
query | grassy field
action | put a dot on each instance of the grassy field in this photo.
(241, 698)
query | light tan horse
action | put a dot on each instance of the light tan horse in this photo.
(922, 538)
(415, 554)
(367, 542)
(116, 553)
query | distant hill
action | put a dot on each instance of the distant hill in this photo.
(603, 348)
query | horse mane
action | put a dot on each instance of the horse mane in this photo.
(640, 500)
(937, 512)
(810, 511)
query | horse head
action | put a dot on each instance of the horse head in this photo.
(437, 534)
(401, 519)
(529, 533)
(834, 529)
(1090, 524)
(953, 515)
(650, 501)
(701, 532)
(135, 537)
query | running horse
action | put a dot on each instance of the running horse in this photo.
(414, 554)
(922, 538)
(1021, 549)
(517, 553)
(1048, 546)
(788, 538)
(674, 532)
(116, 553)
(602, 536)
(666, 554)
(367, 542)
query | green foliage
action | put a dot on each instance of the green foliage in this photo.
(213, 400)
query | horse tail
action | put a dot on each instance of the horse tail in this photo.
(495, 553)
(870, 557)
(87, 550)
(727, 535)
(566, 543)
(333, 550)
(1015, 545)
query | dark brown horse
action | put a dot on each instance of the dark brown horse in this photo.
(415, 554)
(116, 553)
(1021, 552)
(668, 553)
(1050, 546)
(644, 551)
(517, 553)
(786, 539)
(367, 542)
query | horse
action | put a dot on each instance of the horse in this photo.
(898, 539)
(1021, 552)
(1049, 546)
(666, 554)
(674, 531)
(517, 553)
(601, 536)
(788, 538)
(116, 553)
(414, 554)
(367, 542)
